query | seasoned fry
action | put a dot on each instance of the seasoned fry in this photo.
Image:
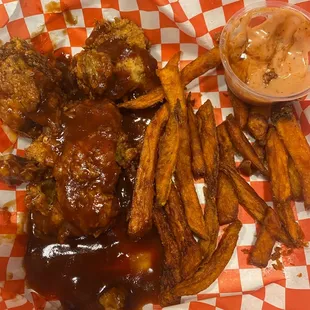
(209, 271)
(171, 82)
(241, 110)
(226, 149)
(167, 157)
(212, 226)
(295, 143)
(246, 167)
(261, 252)
(184, 179)
(167, 282)
(199, 66)
(242, 144)
(286, 215)
(198, 165)
(264, 110)
(145, 101)
(171, 270)
(255, 205)
(210, 147)
(296, 187)
(169, 143)
(258, 126)
(171, 251)
(227, 200)
(188, 247)
(277, 162)
(140, 218)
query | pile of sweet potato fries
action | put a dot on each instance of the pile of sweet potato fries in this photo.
(180, 146)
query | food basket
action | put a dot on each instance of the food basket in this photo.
(171, 25)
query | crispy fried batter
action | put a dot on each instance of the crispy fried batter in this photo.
(242, 144)
(198, 165)
(210, 147)
(227, 200)
(114, 298)
(200, 65)
(188, 247)
(167, 157)
(254, 205)
(287, 217)
(209, 271)
(169, 143)
(278, 167)
(212, 226)
(241, 110)
(140, 219)
(295, 182)
(295, 143)
(120, 29)
(15, 170)
(261, 252)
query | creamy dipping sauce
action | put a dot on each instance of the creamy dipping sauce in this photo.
(268, 49)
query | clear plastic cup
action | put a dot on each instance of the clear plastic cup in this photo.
(237, 86)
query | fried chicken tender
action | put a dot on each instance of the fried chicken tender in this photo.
(28, 82)
(116, 61)
(92, 70)
(119, 29)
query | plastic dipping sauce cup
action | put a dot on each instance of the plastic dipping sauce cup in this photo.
(265, 49)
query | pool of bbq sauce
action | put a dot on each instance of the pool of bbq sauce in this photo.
(79, 271)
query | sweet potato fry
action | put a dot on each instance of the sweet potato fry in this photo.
(295, 182)
(171, 81)
(286, 215)
(246, 167)
(226, 149)
(184, 179)
(167, 157)
(241, 110)
(188, 247)
(145, 101)
(140, 218)
(171, 252)
(255, 205)
(212, 226)
(171, 269)
(261, 252)
(169, 143)
(277, 162)
(264, 110)
(227, 200)
(295, 143)
(257, 126)
(242, 145)
(210, 147)
(199, 66)
(209, 271)
(198, 165)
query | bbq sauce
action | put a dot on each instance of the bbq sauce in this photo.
(80, 270)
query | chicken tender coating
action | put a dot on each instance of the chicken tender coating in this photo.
(92, 70)
(26, 81)
(120, 29)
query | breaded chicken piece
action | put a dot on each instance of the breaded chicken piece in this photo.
(27, 83)
(92, 70)
(106, 32)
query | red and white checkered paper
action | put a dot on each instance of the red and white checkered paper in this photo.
(171, 25)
